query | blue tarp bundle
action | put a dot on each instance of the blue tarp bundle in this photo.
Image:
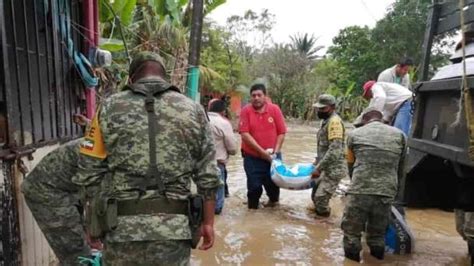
(398, 238)
(295, 177)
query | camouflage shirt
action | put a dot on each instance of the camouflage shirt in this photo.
(331, 150)
(62, 161)
(185, 150)
(377, 153)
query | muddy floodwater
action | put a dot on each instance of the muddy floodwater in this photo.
(290, 235)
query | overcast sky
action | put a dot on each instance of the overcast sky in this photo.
(323, 18)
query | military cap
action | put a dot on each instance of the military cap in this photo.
(142, 57)
(325, 100)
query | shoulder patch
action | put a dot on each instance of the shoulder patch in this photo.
(335, 128)
(93, 143)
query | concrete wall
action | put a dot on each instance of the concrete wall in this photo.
(35, 248)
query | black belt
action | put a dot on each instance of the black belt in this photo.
(152, 206)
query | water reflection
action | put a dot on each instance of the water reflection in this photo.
(290, 235)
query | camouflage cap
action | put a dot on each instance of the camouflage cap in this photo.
(142, 57)
(325, 100)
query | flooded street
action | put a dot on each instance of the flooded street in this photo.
(289, 234)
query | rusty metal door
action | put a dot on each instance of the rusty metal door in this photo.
(39, 92)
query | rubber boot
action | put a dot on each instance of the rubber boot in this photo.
(226, 189)
(377, 252)
(352, 255)
(323, 213)
(470, 246)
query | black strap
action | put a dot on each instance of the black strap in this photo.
(153, 176)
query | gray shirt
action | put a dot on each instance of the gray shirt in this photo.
(390, 75)
(224, 137)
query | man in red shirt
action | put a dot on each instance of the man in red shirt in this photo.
(262, 128)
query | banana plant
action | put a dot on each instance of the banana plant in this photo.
(161, 26)
(349, 103)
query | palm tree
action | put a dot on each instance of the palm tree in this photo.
(305, 45)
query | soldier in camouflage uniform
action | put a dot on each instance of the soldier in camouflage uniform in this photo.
(375, 155)
(151, 184)
(330, 163)
(465, 227)
(54, 202)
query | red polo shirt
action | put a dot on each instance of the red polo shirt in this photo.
(264, 127)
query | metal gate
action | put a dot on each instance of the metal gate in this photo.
(39, 92)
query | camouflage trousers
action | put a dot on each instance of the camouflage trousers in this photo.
(170, 252)
(369, 213)
(465, 224)
(54, 203)
(323, 192)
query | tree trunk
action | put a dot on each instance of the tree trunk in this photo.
(179, 73)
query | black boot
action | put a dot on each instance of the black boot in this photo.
(377, 252)
(226, 190)
(323, 212)
(352, 255)
(470, 247)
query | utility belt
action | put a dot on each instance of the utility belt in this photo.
(152, 206)
(103, 212)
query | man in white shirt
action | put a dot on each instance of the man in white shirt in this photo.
(225, 142)
(393, 100)
(398, 73)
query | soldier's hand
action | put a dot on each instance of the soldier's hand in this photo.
(94, 243)
(208, 237)
(315, 174)
(81, 119)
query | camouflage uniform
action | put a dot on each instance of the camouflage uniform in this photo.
(376, 152)
(54, 202)
(330, 161)
(185, 151)
(465, 227)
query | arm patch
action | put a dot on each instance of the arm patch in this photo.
(335, 129)
(93, 143)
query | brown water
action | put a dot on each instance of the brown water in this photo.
(290, 235)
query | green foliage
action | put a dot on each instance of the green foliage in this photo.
(112, 45)
(400, 33)
(133, 14)
(210, 5)
(123, 9)
(161, 26)
(354, 50)
(250, 25)
(241, 52)
(217, 54)
(367, 52)
(349, 102)
(289, 79)
(305, 45)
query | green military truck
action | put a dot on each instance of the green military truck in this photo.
(440, 167)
